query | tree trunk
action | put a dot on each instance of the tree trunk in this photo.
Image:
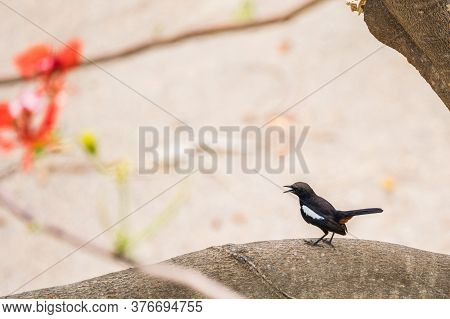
(418, 29)
(285, 269)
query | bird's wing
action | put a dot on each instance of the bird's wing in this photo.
(322, 214)
(322, 207)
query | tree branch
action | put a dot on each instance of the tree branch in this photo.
(419, 30)
(283, 269)
(189, 34)
(175, 274)
(59, 233)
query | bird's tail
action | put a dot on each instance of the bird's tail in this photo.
(357, 212)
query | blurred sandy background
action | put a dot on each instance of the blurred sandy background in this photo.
(379, 135)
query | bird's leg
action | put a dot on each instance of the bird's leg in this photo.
(326, 233)
(329, 241)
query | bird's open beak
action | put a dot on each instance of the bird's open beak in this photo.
(290, 190)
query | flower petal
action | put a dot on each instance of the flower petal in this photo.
(6, 118)
(69, 55)
(30, 62)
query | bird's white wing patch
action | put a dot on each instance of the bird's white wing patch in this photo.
(311, 213)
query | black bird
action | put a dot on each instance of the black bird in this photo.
(319, 212)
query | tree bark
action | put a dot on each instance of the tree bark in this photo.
(285, 269)
(418, 29)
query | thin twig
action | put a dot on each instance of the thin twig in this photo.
(27, 218)
(9, 171)
(69, 168)
(187, 277)
(185, 35)
(192, 279)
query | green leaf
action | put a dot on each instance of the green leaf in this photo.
(245, 11)
(121, 243)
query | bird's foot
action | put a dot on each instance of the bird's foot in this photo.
(328, 242)
(311, 242)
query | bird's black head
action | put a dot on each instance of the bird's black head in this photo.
(302, 190)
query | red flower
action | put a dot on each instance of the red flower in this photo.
(6, 123)
(35, 60)
(69, 54)
(6, 119)
(46, 127)
(28, 100)
(41, 59)
(29, 120)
